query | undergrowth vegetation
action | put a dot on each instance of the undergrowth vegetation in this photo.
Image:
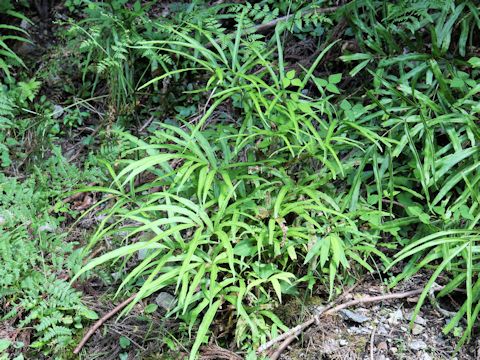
(239, 155)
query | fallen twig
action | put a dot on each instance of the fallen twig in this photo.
(290, 335)
(300, 327)
(101, 321)
(282, 347)
(372, 344)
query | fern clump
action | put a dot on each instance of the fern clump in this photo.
(6, 111)
(36, 265)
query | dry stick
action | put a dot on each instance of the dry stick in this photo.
(291, 334)
(101, 321)
(283, 346)
(372, 343)
(287, 341)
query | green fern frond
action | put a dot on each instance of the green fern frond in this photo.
(6, 111)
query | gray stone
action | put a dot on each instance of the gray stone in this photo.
(353, 316)
(116, 275)
(382, 330)
(330, 346)
(165, 300)
(46, 228)
(317, 310)
(416, 345)
(417, 329)
(24, 24)
(142, 254)
(57, 111)
(424, 356)
(343, 342)
(418, 320)
(395, 317)
(359, 330)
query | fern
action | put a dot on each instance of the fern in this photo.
(30, 290)
(6, 111)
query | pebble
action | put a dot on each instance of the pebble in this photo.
(46, 228)
(417, 345)
(424, 356)
(142, 254)
(343, 342)
(382, 330)
(417, 329)
(382, 346)
(116, 275)
(165, 300)
(395, 317)
(330, 346)
(57, 111)
(318, 310)
(418, 320)
(359, 330)
(353, 316)
(25, 25)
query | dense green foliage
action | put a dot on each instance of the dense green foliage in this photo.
(36, 261)
(262, 175)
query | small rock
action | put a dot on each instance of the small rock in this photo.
(57, 111)
(317, 310)
(359, 330)
(417, 329)
(395, 317)
(393, 350)
(382, 330)
(116, 275)
(46, 228)
(353, 316)
(417, 345)
(165, 300)
(382, 346)
(418, 320)
(424, 356)
(343, 342)
(25, 25)
(330, 346)
(142, 254)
